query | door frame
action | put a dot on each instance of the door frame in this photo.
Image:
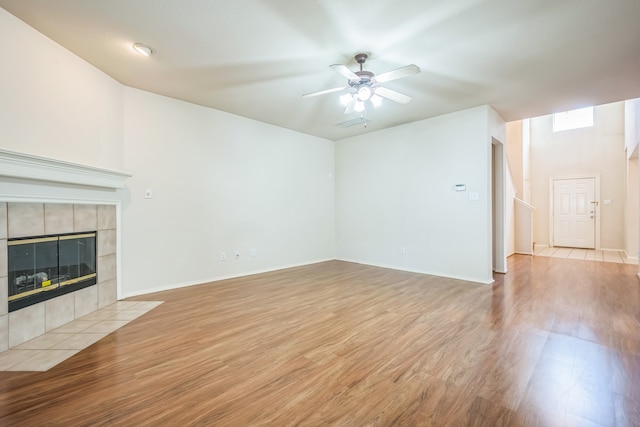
(594, 176)
(498, 207)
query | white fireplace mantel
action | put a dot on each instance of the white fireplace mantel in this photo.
(26, 166)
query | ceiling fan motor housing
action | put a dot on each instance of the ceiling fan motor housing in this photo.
(366, 78)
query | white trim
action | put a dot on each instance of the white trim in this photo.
(26, 166)
(497, 205)
(284, 267)
(540, 246)
(429, 273)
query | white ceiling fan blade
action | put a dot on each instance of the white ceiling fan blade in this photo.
(350, 106)
(323, 92)
(344, 71)
(398, 97)
(398, 73)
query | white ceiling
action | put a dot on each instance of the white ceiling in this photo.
(255, 58)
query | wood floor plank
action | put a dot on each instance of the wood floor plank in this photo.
(553, 342)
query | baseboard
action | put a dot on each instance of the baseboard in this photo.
(217, 279)
(430, 273)
(539, 246)
(284, 267)
(631, 259)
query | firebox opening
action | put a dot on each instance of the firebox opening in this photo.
(45, 267)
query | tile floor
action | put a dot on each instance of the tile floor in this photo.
(586, 254)
(46, 351)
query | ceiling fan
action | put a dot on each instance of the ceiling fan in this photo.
(364, 86)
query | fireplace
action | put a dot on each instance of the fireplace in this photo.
(44, 267)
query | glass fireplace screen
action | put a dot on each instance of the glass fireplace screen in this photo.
(43, 267)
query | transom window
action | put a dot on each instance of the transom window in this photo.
(573, 119)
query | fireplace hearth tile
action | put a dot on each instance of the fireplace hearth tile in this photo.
(79, 341)
(12, 357)
(106, 217)
(25, 219)
(4, 270)
(58, 218)
(85, 218)
(107, 326)
(123, 305)
(107, 293)
(26, 324)
(128, 314)
(86, 301)
(106, 244)
(74, 327)
(4, 332)
(43, 360)
(59, 311)
(106, 267)
(3, 220)
(146, 305)
(70, 338)
(43, 342)
(100, 315)
(4, 295)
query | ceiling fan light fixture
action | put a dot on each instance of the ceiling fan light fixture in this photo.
(359, 106)
(376, 100)
(346, 99)
(364, 93)
(142, 49)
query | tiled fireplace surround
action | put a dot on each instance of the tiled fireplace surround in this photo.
(37, 219)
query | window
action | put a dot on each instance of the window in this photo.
(573, 119)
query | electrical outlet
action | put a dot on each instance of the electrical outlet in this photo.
(223, 256)
(148, 193)
(254, 252)
(403, 251)
(237, 253)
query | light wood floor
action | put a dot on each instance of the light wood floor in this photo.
(555, 342)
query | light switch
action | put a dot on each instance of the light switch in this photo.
(474, 195)
(607, 201)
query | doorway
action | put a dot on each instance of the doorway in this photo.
(574, 212)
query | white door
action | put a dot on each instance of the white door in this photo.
(574, 213)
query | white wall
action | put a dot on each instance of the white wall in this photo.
(631, 125)
(395, 188)
(220, 181)
(594, 150)
(631, 140)
(54, 104)
(515, 155)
